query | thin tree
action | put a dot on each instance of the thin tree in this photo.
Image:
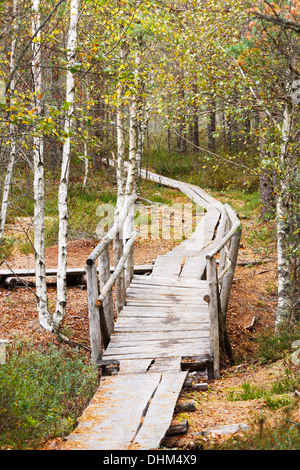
(12, 128)
(39, 177)
(65, 168)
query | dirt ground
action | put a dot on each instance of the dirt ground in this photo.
(251, 308)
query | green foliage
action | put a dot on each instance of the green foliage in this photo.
(283, 435)
(218, 173)
(275, 344)
(249, 392)
(6, 247)
(41, 394)
(51, 231)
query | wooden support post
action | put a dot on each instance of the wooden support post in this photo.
(120, 281)
(226, 288)
(228, 278)
(213, 305)
(223, 252)
(107, 311)
(127, 230)
(130, 267)
(94, 312)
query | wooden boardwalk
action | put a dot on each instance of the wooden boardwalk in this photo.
(162, 333)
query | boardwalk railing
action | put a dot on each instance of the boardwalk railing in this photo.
(220, 280)
(100, 300)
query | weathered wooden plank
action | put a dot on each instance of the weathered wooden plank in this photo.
(166, 364)
(161, 321)
(159, 314)
(160, 413)
(168, 289)
(166, 281)
(160, 349)
(158, 326)
(119, 339)
(134, 366)
(154, 303)
(114, 415)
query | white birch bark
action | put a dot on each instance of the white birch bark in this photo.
(86, 163)
(284, 299)
(120, 173)
(12, 136)
(85, 147)
(39, 180)
(63, 186)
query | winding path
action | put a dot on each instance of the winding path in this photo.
(161, 335)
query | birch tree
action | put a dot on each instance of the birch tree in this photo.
(39, 176)
(12, 128)
(273, 49)
(65, 167)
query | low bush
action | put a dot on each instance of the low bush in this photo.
(41, 394)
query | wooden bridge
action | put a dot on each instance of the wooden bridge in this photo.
(169, 323)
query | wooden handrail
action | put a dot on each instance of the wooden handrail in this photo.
(106, 289)
(236, 224)
(218, 292)
(100, 303)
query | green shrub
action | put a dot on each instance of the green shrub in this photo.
(6, 246)
(274, 344)
(283, 435)
(41, 394)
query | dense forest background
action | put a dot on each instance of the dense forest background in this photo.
(203, 91)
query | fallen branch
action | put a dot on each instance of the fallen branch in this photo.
(250, 327)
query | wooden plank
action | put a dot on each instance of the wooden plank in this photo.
(127, 327)
(160, 413)
(182, 289)
(134, 366)
(160, 349)
(162, 321)
(145, 313)
(114, 415)
(119, 339)
(165, 364)
(165, 281)
(185, 297)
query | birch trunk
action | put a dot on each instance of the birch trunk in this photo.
(120, 173)
(12, 136)
(85, 147)
(39, 181)
(284, 282)
(63, 186)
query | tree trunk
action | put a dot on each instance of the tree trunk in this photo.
(12, 136)
(63, 186)
(211, 127)
(120, 173)
(39, 181)
(265, 179)
(284, 306)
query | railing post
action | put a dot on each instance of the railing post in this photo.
(228, 278)
(213, 306)
(107, 313)
(226, 227)
(120, 281)
(94, 312)
(127, 230)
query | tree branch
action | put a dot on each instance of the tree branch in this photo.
(279, 20)
(29, 44)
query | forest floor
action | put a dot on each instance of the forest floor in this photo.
(251, 309)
